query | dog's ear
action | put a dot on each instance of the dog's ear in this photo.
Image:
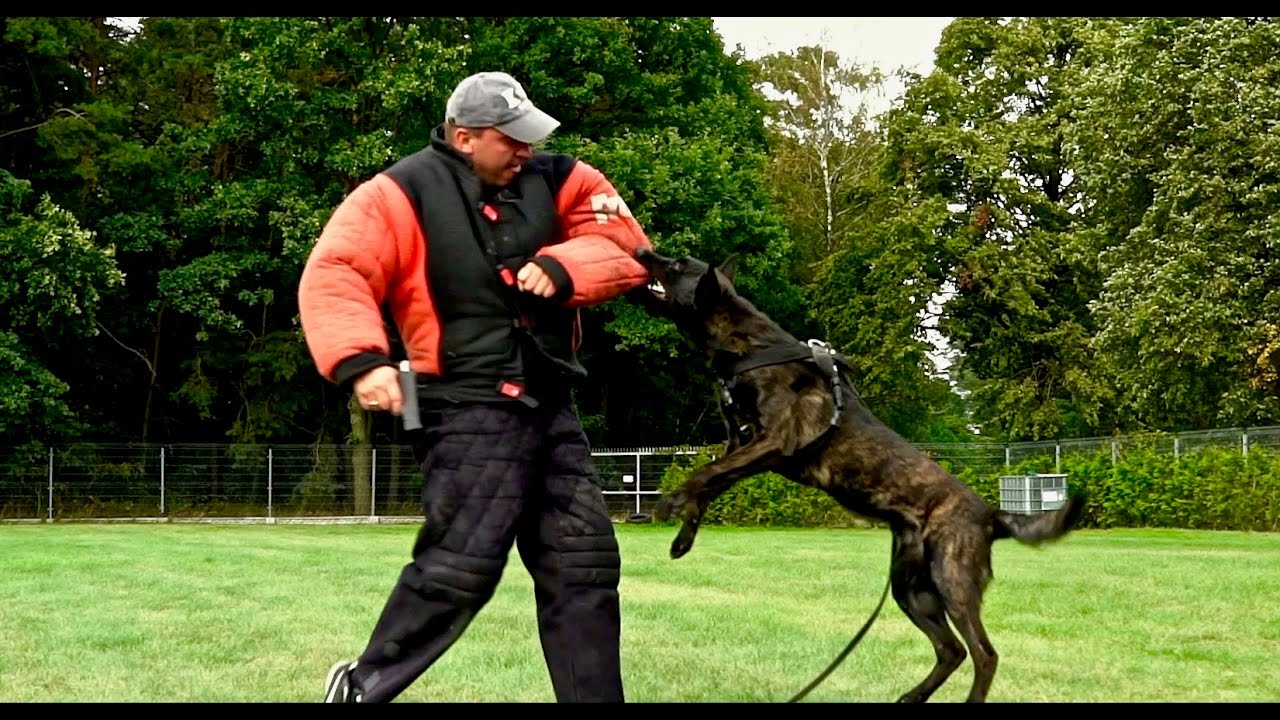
(730, 266)
(708, 292)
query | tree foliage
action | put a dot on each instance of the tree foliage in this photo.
(984, 135)
(1179, 147)
(1094, 199)
(52, 290)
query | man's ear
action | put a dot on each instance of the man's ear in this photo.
(730, 266)
(708, 292)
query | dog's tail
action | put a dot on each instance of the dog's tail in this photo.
(1041, 528)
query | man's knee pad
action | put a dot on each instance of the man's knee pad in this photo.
(590, 560)
(460, 580)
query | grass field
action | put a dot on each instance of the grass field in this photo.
(252, 613)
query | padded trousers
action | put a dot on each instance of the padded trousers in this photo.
(497, 476)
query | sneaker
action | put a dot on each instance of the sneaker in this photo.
(338, 687)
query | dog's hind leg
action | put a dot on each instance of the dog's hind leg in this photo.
(961, 572)
(916, 595)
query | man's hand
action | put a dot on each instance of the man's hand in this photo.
(532, 279)
(379, 389)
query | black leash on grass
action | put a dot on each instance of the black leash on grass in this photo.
(852, 643)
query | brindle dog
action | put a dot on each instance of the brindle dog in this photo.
(795, 414)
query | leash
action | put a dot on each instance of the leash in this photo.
(852, 643)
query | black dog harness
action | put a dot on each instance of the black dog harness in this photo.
(816, 351)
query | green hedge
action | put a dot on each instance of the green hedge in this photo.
(1209, 489)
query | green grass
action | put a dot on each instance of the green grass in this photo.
(229, 613)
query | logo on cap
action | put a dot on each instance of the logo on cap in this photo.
(510, 96)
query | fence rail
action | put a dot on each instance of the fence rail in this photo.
(294, 482)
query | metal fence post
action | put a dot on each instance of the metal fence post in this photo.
(637, 485)
(1244, 446)
(50, 484)
(162, 480)
(1006, 456)
(1057, 457)
(373, 483)
(270, 467)
(1176, 454)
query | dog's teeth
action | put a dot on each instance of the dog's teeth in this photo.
(656, 288)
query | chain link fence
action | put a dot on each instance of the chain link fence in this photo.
(301, 482)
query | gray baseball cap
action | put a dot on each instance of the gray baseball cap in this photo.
(497, 100)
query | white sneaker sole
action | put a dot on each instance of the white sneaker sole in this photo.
(330, 687)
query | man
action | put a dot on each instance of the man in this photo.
(483, 252)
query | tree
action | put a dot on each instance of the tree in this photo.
(703, 197)
(1178, 148)
(983, 136)
(305, 109)
(676, 125)
(860, 258)
(823, 146)
(51, 291)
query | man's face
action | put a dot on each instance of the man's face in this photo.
(495, 157)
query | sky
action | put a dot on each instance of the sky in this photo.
(885, 42)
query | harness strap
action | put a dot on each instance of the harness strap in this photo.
(825, 357)
(818, 351)
(775, 355)
(829, 362)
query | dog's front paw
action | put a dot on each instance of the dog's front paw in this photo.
(684, 540)
(671, 504)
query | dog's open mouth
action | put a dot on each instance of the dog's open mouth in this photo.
(657, 289)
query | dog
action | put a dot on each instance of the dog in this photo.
(791, 409)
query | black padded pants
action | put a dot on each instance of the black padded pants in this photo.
(497, 475)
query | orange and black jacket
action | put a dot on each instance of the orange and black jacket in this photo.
(427, 242)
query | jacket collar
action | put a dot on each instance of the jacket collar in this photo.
(462, 167)
(440, 145)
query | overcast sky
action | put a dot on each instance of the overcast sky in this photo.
(885, 42)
